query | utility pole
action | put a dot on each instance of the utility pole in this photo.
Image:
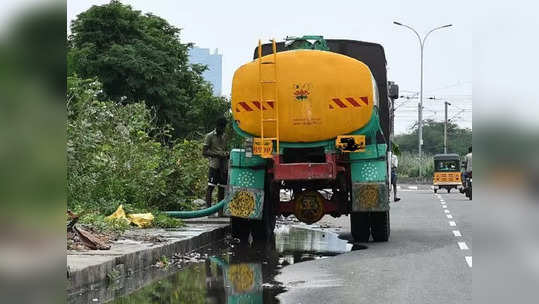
(445, 127)
(420, 105)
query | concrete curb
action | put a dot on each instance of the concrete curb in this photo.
(88, 268)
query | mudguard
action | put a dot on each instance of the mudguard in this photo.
(245, 192)
(370, 186)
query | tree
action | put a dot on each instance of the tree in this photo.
(139, 57)
(458, 140)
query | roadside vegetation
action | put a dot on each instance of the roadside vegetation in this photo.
(137, 114)
(116, 154)
(409, 165)
(458, 141)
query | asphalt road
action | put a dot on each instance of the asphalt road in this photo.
(427, 259)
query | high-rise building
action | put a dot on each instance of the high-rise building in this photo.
(214, 62)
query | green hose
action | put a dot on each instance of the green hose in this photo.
(218, 261)
(196, 213)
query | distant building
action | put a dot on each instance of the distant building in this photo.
(214, 62)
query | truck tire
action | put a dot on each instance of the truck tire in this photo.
(380, 227)
(263, 228)
(240, 228)
(360, 226)
(448, 189)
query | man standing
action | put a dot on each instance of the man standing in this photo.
(467, 166)
(394, 166)
(468, 160)
(215, 149)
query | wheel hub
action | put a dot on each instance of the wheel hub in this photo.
(309, 206)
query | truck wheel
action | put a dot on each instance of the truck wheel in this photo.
(380, 227)
(435, 190)
(240, 228)
(360, 226)
(448, 190)
(470, 194)
(263, 228)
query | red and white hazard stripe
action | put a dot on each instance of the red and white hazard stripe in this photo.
(348, 102)
(250, 106)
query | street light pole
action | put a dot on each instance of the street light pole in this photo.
(420, 105)
(445, 127)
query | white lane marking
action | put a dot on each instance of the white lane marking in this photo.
(412, 187)
(449, 216)
(463, 246)
(446, 211)
(452, 223)
(457, 233)
(444, 206)
(469, 261)
(442, 202)
(398, 187)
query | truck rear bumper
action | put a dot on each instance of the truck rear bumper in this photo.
(305, 171)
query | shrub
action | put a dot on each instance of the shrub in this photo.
(409, 165)
(114, 157)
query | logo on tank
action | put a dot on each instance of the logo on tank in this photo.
(302, 91)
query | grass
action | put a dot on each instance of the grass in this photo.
(409, 165)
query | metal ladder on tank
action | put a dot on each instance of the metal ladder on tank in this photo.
(265, 84)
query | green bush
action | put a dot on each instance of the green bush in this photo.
(186, 175)
(113, 156)
(409, 165)
(99, 223)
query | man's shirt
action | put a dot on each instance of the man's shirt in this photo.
(216, 145)
(394, 161)
(468, 162)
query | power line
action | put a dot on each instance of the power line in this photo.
(457, 84)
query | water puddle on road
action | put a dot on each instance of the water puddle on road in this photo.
(236, 272)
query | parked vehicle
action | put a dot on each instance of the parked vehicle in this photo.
(315, 117)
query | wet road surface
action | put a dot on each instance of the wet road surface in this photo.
(427, 260)
(423, 262)
(232, 272)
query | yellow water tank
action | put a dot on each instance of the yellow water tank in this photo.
(320, 95)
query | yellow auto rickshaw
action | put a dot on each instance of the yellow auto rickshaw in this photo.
(446, 172)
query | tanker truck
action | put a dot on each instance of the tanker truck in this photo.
(314, 115)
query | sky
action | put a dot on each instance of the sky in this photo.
(234, 28)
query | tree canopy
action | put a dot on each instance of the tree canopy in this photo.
(139, 57)
(458, 140)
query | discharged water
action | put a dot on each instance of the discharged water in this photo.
(232, 273)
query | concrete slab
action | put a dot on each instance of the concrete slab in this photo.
(137, 250)
(79, 262)
(208, 220)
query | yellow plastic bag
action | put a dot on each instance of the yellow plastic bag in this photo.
(118, 214)
(141, 219)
